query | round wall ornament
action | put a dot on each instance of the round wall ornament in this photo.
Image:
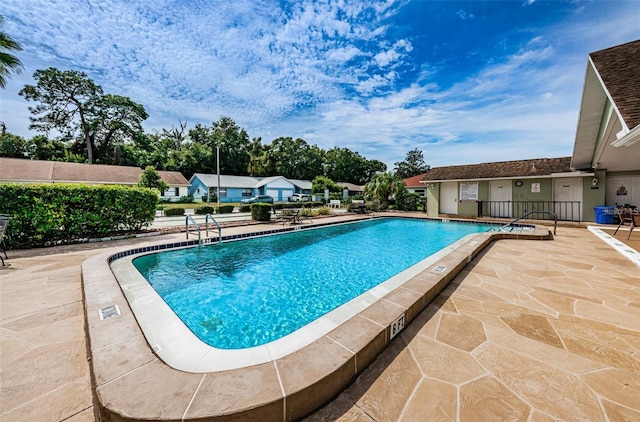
(519, 183)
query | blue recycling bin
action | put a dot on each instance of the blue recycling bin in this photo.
(604, 215)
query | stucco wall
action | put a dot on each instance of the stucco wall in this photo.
(593, 196)
(433, 195)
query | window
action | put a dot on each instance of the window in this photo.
(223, 192)
(247, 192)
(177, 192)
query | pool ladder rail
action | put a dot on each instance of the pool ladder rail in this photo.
(189, 219)
(553, 214)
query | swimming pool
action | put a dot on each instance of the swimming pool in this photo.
(148, 365)
(249, 293)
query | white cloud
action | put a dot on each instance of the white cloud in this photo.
(331, 72)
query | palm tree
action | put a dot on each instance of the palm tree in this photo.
(8, 62)
(380, 187)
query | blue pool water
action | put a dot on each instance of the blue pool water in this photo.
(251, 292)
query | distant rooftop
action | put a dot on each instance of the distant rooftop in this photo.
(501, 169)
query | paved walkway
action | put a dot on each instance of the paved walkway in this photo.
(529, 331)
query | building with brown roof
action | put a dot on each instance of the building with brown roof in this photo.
(603, 170)
(608, 134)
(414, 184)
(15, 170)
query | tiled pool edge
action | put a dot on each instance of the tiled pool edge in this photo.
(131, 383)
(623, 249)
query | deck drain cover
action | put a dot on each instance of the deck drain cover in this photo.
(440, 268)
(109, 311)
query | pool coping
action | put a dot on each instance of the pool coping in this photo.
(132, 382)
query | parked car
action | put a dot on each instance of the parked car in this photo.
(299, 197)
(258, 198)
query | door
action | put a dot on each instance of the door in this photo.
(449, 198)
(623, 190)
(500, 198)
(567, 196)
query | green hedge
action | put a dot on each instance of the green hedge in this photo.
(245, 208)
(225, 209)
(261, 211)
(172, 212)
(287, 205)
(204, 210)
(43, 215)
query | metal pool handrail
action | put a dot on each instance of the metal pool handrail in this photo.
(196, 225)
(206, 223)
(555, 219)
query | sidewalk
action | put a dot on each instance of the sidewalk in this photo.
(179, 221)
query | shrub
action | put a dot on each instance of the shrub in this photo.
(54, 214)
(324, 211)
(204, 210)
(245, 208)
(260, 212)
(225, 209)
(172, 212)
(307, 212)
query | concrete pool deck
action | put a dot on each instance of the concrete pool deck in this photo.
(541, 329)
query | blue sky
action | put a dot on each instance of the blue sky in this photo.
(463, 81)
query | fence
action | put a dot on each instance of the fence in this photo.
(565, 210)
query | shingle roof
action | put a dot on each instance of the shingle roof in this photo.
(414, 181)
(302, 184)
(351, 187)
(18, 170)
(522, 168)
(227, 181)
(37, 171)
(619, 68)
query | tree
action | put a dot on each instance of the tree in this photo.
(42, 148)
(13, 146)
(8, 62)
(234, 145)
(413, 165)
(405, 200)
(293, 159)
(257, 158)
(380, 187)
(114, 121)
(344, 165)
(63, 97)
(151, 179)
(320, 183)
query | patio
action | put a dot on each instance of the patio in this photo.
(536, 330)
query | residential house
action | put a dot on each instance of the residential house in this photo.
(235, 188)
(414, 185)
(608, 134)
(351, 188)
(507, 189)
(16, 170)
(603, 170)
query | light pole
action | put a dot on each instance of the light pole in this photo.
(218, 172)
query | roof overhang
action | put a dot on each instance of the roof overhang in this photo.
(627, 139)
(602, 130)
(594, 100)
(546, 176)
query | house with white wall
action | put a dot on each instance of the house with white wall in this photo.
(235, 188)
(604, 169)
